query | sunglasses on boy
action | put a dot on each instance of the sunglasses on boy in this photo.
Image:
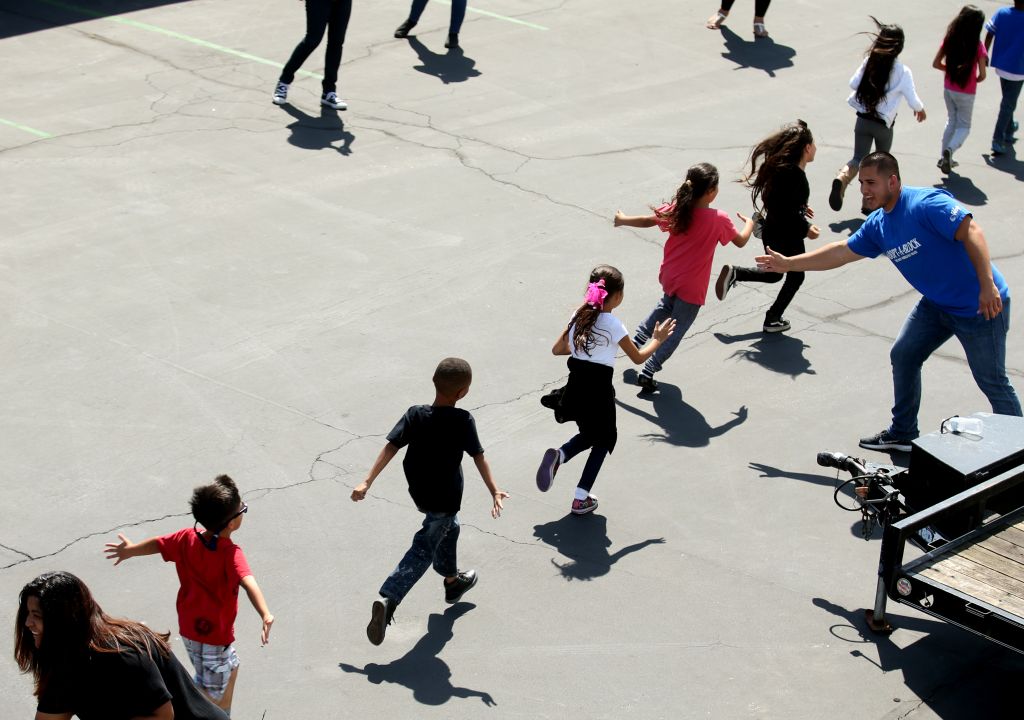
(212, 544)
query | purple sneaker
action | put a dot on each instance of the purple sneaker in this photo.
(548, 468)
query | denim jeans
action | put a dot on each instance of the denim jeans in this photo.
(458, 13)
(669, 306)
(321, 15)
(434, 544)
(925, 329)
(959, 108)
(1007, 106)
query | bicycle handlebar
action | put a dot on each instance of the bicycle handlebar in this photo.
(852, 465)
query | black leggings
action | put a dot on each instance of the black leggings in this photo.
(321, 15)
(760, 6)
(793, 279)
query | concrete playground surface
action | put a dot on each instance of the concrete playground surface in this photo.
(196, 281)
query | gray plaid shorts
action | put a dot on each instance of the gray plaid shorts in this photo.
(213, 664)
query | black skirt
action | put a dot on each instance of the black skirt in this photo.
(588, 399)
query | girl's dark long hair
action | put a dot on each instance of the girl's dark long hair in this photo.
(73, 624)
(700, 180)
(781, 149)
(584, 337)
(961, 44)
(886, 46)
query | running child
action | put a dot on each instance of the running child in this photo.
(962, 57)
(437, 436)
(878, 85)
(592, 339)
(1006, 27)
(778, 179)
(210, 568)
(694, 230)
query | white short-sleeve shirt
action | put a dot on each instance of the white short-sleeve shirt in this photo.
(608, 330)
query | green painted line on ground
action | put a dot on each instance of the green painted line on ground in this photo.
(25, 128)
(517, 21)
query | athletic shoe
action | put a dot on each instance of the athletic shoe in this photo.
(758, 219)
(464, 581)
(402, 31)
(946, 162)
(885, 441)
(998, 148)
(726, 280)
(380, 617)
(835, 196)
(646, 382)
(548, 468)
(584, 506)
(452, 41)
(281, 93)
(332, 100)
(776, 326)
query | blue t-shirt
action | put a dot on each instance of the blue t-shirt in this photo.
(1007, 27)
(918, 236)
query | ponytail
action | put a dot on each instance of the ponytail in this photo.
(605, 280)
(701, 179)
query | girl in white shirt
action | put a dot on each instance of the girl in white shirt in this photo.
(878, 85)
(592, 339)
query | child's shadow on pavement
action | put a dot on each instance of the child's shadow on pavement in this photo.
(779, 353)
(585, 541)
(683, 424)
(758, 54)
(963, 189)
(319, 133)
(420, 669)
(451, 67)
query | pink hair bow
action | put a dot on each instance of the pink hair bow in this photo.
(596, 294)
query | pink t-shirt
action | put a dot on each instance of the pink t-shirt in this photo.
(972, 79)
(686, 266)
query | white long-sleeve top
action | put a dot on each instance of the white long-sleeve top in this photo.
(901, 84)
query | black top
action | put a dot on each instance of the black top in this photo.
(437, 437)
(126, 684)
(784, 205)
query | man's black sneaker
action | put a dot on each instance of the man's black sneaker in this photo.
(380, 617)
(885, 441)
(402, 31)
(452, 41)
(776, 326)
(454, 591)
(646, 382)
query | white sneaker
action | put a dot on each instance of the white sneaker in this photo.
(281, 93)
(332, 100)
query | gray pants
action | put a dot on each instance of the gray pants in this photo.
(959, 108)
(866, 132)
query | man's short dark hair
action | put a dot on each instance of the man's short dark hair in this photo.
(452, 375)
(213, 505)
(885, 163)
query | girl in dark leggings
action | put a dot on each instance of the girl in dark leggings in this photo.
(454, 25)
(777, 179)
(321, 15)
(760, 9)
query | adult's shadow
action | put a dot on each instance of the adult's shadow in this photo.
(319, 133)
(770, 472)
(955, 673)
(584, 540)
(848, 226)
(420, 669)
(758, 54)
(682, 424)
(777, 352)
(451, 67)
(963, 189)
(1007, 164)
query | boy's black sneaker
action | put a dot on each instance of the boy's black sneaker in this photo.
(380, 617)
(402, 31)
(885, 441)
(646, 382)
(454, 591)
(452, 41)
(776, 326)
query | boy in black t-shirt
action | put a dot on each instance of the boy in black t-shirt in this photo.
(437, 435)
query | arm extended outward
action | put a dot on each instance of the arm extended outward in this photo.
(827, 257)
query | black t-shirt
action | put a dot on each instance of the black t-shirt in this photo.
(785, 204)
(437, 437)
(124, 685)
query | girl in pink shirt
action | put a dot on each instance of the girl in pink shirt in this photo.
(962, 58)
(694, 230)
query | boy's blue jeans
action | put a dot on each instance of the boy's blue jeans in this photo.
(926, 328)
(434, 544)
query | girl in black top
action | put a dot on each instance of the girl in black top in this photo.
(90, 665)
(777, 180)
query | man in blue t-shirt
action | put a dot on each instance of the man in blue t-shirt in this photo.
(1006, 27)
(941, 251)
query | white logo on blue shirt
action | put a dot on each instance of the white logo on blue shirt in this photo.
(904, 251)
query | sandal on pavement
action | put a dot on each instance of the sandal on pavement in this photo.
(759, 30)
(715, 21)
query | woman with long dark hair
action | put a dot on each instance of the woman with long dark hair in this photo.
(96, 667)
(878, 85)
(962, 57)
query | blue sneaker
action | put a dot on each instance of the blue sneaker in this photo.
(998, 148)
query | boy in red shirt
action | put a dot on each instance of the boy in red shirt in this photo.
(210, 568)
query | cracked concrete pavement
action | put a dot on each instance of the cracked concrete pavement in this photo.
(196, 281)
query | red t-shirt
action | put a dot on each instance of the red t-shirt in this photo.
(208, 597)
(686, 266)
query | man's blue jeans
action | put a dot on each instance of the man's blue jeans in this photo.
(435, 545)
(1004, 121)
(669, 306)
(926, 328)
